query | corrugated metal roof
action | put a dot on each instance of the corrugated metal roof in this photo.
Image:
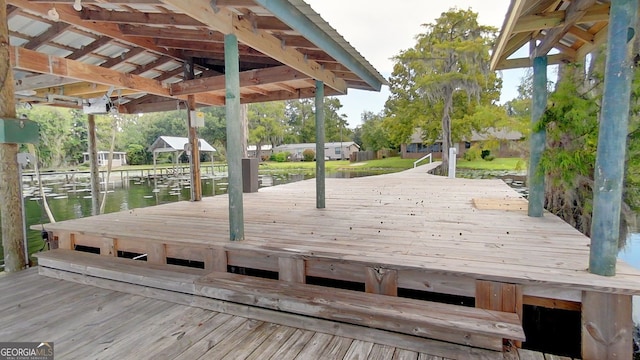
(105, 32)
(175, 143)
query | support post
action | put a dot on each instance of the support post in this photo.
(93, 165)
(320, 168)
(452, 162)
(196, 182)
(234, 137)
(612, 138)
(194, 149)
(10, 199)
(607, 327)
(538, 138)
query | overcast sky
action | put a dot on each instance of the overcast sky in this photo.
(380, 30)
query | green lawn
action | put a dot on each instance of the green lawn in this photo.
(496, 164)
(395, 163)
(338, 165)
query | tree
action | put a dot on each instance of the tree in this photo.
(449, 62)
(374, 136)
(301, 121)
(266, 124)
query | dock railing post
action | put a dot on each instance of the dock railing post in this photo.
(452, 162)
(612, 138)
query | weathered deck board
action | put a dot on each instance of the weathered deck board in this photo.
(111, 324)
(403, 220)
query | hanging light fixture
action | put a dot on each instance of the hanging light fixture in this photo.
(77, 5)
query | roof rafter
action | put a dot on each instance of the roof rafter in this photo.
(29, 60)
(557, 18)
(247, 78)
(576, 10)
(70, 16)
(50, 34)
(227, 22)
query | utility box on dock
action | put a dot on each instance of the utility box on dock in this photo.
(250, 182)
(19, 131)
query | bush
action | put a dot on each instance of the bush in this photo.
(138, 155)
(472, 154)
(281, 156)
(489, 158)
(485, 153)
(308, 155)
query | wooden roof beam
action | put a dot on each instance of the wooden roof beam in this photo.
(48, 35)
(152, 65)
(41, 81)
(576, 10)
(122, 58)
(599, 38)
(213, 47)
(29, 60)
(550, 20)
(171, 33)
(515, 9)
(247, 78)
(234, 3)
(228, 22)
(70, 16)
(526, 62)
(88, 49)
(124, 17)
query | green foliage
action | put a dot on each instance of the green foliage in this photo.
(496, 164)
(473, 153)
(138, 155)
(281, 156)
(308, 155)
(301, 122)
(485, 153)
(489, 158)
(433, 84)
(571, 123)
(267, 123)
(373, 134)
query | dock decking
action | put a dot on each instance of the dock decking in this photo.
(408, 230)
(86, 322)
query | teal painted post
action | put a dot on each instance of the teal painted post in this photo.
(234, 137)
(612, 139)
(538, 138)
(320, 171)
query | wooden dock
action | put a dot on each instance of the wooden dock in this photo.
(388, 234)
(86, 322)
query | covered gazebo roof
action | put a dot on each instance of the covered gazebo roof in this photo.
(140, 49)
(573, 28)
(176, 143)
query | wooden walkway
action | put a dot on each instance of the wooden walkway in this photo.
(407, 230)
(87, 322)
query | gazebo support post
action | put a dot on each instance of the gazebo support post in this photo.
(93, 164)
(234, 137)
(612, 138)
(538, 137)
(320, 168)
